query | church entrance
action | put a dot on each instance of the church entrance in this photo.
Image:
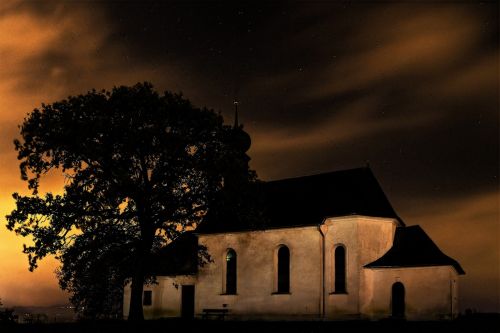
(187, 306)
(398, 300)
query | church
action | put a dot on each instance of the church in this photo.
(333, 249)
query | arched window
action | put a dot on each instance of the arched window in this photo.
(340, 270)
(398, 300)
(231, 272)
(283, 270)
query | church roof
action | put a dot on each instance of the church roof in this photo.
(412, 247)
(308, 200)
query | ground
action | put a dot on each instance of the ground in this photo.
(473, 324)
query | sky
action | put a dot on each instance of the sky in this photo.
(410, 88)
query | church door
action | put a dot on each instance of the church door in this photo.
(398, 300)
(187, 306)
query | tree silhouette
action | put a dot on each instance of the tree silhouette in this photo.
(140, 169)
(93, 269)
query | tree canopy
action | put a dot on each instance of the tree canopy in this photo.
(140, 169)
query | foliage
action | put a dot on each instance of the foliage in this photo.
(6, 314)
(94, 269)
(140, 168)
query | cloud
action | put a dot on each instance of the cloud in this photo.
(422, 49)
(419, 79)
(475, 81)
(415, 45)
(353, 121)
(40, 52)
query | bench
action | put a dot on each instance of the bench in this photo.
(217, 313)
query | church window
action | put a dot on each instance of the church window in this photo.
(340, 270)
(231, 272)
(147, 298)
(283, 270)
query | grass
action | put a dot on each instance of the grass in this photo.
(473, 324)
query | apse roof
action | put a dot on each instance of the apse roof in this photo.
(412, 247)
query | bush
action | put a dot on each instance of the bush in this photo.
(7, 315)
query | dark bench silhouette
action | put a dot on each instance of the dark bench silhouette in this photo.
(218, 313)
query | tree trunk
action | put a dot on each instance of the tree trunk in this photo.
(144, 250)
(135, 311)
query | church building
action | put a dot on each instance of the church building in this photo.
(333, 248)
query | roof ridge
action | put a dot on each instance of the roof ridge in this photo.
(320, 174)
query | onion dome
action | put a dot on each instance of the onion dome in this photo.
(240, 138)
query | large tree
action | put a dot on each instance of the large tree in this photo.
(140, 169)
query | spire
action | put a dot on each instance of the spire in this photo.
(236, 114)
(240, 137)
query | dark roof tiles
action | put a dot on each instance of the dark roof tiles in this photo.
(412, 247)
(308, 200)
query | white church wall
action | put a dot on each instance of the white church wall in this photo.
(166, 297)
(365, 239)
(257, 274)
(342, 232)
(431, 293)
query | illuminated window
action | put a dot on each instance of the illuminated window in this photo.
(231, 272)
(147, 298)
(283, 270)
(340, 270)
